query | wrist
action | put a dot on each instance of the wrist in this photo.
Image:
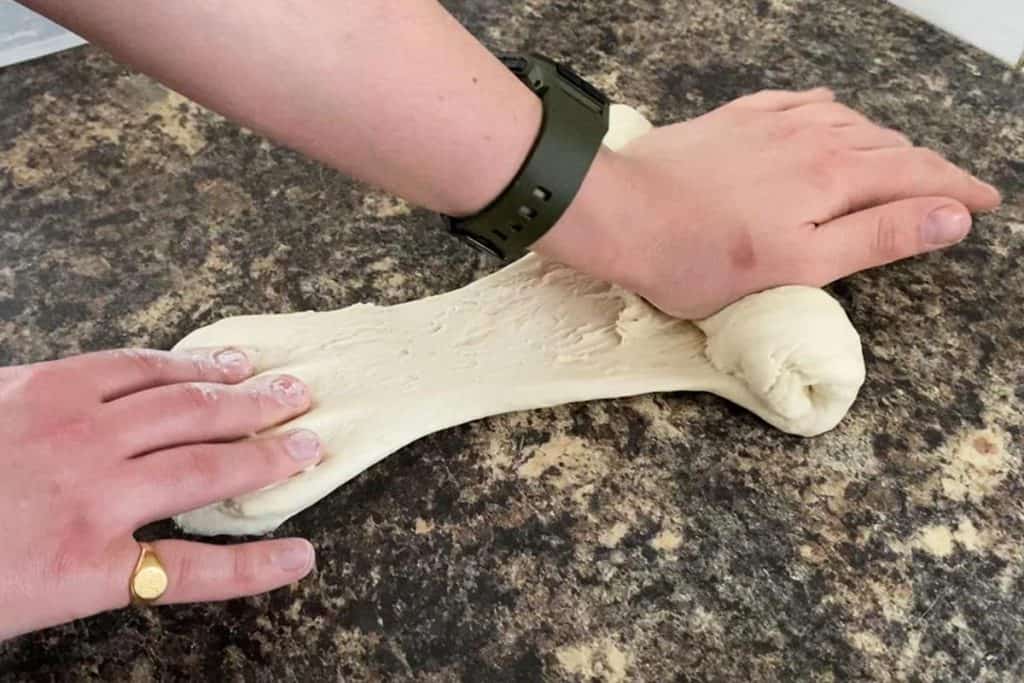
(498, 157)
(589, 235)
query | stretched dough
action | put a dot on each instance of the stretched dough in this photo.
(534, 334)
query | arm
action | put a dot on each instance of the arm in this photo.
(394, 93)
(774, 188)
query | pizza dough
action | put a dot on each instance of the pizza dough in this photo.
(531, 335)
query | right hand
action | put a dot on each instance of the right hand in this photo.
(775, 188)
(95, 446)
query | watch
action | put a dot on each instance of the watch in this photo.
(574, 123)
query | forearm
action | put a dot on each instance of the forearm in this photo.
(394, 93)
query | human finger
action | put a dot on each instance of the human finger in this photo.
(883, 234)
(869, 136)
(826, 113)
(866, 178)
(197, 412)
(119, 372)
(175, 480)
(781, 100)
(201, 572)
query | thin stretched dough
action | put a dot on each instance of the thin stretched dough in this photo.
(534, 334)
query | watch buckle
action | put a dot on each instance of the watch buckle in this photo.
(478, 243)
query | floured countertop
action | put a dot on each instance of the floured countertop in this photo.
(661, 538)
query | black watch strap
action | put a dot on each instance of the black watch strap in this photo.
(574, 123)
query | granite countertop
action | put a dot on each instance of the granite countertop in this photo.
(670, 537)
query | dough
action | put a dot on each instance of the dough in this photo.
(531, 335)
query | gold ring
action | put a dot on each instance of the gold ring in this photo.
(149, 580)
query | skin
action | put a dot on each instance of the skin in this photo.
(100, 444)
(774, 188)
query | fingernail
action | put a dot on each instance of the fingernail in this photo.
(303, 445)
(945, 226)
(295, 555)
(289, 390)
(232, 360)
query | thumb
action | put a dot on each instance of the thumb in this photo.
(890, 232)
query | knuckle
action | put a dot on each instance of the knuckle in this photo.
(259, 404)
(272, 455)
(899, 138)
(203, 465)
(40, 377)
(144, 361)
(743, 107)
(276, 393)
(76, 432)
(198, 396)
(244, 569)
(844, 113)
(265, 395)
(743, 116)
(824, 138)
(78, 540)
(886, 243)
(185, 572)
(834, 157)
(740, 102)
(199, 364)
(827, 169)
(964, 182)
(830, 110)
(930, 159)
(783, 129)
(735, 103)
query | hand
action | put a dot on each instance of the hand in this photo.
(774, 188)
(95, 446)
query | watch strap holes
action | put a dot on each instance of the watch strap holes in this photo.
(527, 213)
(542, 193)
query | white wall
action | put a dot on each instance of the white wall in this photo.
(996, 26)
(26, 35)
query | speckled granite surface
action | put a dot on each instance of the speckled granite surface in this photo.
(661, 538)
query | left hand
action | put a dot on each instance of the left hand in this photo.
(92, 447)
